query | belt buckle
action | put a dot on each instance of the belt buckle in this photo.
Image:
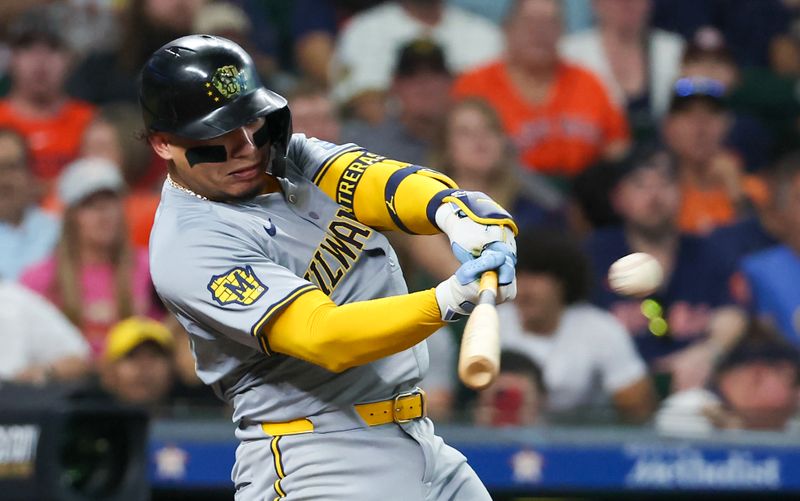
(396, 404)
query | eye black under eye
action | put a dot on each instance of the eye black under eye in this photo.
(206, 154)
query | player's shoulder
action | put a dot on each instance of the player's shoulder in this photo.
(180, 231)
(310, 153)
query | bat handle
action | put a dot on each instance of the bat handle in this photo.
(487, 288)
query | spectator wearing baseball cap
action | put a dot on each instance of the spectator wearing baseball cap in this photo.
(137, 365)
(707, 56)
(714, 189)
(369, 46)
(756, 386)
(95, 276)
(421, 90)
(37, 105)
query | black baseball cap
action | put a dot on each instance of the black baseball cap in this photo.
(419, 56)
(687, 91)
(645, 155)
(35, 25)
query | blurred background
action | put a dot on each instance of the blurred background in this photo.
(606, 127)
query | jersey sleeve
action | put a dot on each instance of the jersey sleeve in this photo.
(226, 283)
(379, 192)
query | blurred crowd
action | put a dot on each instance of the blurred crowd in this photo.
(606, 127)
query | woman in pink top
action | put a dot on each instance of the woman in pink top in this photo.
(95, 276)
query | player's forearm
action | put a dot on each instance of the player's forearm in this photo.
(385, 194)
(315, 329)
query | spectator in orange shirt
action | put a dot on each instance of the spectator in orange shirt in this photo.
(714, 189)
(560, 116)
(37, 105)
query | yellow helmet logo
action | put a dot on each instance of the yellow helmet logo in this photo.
(238, 286)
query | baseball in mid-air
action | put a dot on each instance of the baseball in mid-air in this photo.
(637, 274)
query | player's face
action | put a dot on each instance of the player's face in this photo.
(230, 167)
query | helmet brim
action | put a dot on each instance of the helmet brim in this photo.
(233, 115)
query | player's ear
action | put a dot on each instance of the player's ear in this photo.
(160, 144)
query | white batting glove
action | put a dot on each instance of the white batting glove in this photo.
(458, 295)
(473, 222)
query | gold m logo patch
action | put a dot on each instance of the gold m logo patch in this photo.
(238, 286)
(229, 81)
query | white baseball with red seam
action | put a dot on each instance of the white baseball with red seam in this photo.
(637, 274)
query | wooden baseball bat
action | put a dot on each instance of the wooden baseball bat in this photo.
(479, 360)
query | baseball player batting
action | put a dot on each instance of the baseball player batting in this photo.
(267, 246)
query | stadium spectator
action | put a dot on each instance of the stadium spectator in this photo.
(755, 387)
(714, 190)
(187, 390)
(368, 46)
(560, 116)
(689, 320)
(707, 57)
(475, 152)
(38, 344)
(421, 87)
(586, 356)
(750, 26)
(27, 234)
(314, 112)
(299, 36)
(112, 136)
(37, 105)
(516, 398)
(109, 73)
(772, 275)
(577, 13)
(94, 276)
(137, 363)
(637, 63)
(229, 20)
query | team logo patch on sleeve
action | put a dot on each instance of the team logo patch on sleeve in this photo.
(236, 286)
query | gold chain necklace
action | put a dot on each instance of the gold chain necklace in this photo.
(181, 188)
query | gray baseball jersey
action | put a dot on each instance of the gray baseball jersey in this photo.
(225, 269)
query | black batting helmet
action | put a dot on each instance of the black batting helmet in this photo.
(202, 86)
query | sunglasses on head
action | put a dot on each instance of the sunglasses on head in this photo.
(688, 87)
